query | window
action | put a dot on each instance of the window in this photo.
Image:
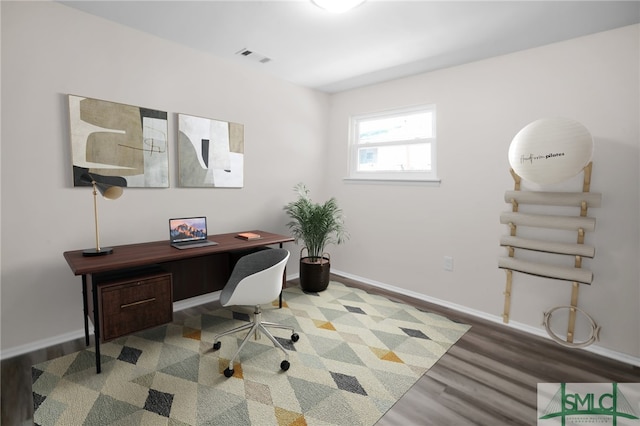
(394, 145)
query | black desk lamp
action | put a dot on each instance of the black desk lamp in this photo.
(109, 192)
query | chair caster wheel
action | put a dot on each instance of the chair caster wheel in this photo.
(216, 346)
(295, 337)
(228, 372)
(284, 365)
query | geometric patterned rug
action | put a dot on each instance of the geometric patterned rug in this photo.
(357, 355)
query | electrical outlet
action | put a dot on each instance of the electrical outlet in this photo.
(448, 263)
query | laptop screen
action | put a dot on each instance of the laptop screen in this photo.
(187, 229)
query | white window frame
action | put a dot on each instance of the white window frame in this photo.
(399, 175)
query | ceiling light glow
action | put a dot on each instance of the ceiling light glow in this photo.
(337, 6)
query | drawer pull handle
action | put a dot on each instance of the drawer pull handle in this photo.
(140, 302)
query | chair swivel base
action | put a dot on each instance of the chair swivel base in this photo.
(284, 365)
(254, 327)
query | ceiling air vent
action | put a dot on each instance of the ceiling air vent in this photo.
(253, 56)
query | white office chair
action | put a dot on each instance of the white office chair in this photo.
(256, 279)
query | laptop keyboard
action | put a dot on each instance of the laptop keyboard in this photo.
(193, 244)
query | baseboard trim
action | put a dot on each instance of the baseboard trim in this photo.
(196, 301)
(599, 350)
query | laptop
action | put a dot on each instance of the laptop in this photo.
(189, 232)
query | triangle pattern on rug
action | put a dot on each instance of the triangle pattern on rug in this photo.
(309, 393)
(186, 369)
(289, 418)
(107, 410)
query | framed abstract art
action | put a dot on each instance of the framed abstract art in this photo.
(210, 153)
(118, 144)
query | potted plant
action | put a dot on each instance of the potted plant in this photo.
(316, 225)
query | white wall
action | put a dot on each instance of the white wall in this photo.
(49, 51)
(400, 233)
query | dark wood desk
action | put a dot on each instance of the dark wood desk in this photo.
(191, 272)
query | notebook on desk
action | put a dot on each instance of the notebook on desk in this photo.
(189, 232)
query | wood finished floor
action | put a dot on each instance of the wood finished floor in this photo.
(488, 378)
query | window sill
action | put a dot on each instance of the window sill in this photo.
(384, 181)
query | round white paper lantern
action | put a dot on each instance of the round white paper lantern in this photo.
(550, 150)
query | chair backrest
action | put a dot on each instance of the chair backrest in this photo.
(256, 279)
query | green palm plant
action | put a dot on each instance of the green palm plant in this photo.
(315, 224)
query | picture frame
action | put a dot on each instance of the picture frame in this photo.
(210, 153)
(119, 144)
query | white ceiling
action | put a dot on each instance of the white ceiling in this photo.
(378, 41)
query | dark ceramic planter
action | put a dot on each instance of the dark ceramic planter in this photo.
(314, 274)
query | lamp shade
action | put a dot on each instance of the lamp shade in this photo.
(109, 192)
(550, 150)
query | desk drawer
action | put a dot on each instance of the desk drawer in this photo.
(132, 305)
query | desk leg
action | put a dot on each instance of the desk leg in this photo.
(284, 282)
(96, 324)
(85, 309)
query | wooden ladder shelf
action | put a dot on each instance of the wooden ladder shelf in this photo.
(580, 224)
